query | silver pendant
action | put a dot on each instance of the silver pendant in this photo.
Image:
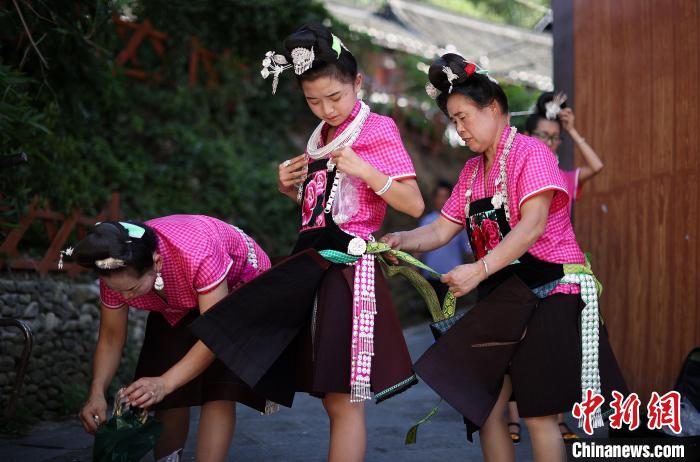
(497, 200)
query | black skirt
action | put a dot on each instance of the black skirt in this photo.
(269, 334)
(325, 354)
(164, 345)
(511, 331)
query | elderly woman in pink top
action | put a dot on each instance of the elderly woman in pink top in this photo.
(522, 337)
(176, 267)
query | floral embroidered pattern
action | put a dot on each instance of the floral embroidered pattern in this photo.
(312, 203)
(484, 234)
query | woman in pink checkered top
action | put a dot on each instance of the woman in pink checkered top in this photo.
(176, 267)
(322, 327)
(522, 337)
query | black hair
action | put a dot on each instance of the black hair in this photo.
(477, 87)
(541, 112)
(327, 63)
(442, 184)
(110, 239)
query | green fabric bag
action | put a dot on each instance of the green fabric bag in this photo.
(127, 436)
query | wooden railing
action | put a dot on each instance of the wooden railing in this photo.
(145, 32)
(59, 227)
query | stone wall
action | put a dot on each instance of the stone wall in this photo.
(64, 317)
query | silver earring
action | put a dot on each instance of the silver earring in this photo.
(159, 284)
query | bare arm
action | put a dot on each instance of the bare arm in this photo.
(424, 239)
(535, 211)
(593, 165)
(148, 391)
(108, 353)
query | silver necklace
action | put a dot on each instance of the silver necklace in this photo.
(500, 198)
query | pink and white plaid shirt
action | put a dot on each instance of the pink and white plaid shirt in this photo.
(573, 187)
(198, 252)
(380, 145)
(531, 169)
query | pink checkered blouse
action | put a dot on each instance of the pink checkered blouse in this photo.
(531, 169)
(380, 145)
(198, 252)
(573, 187)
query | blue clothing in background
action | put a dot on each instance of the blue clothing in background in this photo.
(448, 256)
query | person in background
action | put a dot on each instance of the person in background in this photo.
(455, 253)
(551, 115)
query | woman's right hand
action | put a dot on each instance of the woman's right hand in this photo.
(291, 173)
(393, 240)
(94, 413)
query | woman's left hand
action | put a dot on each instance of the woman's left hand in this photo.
(567, 119)
(464, 278)
(348, 162)
(145, 392)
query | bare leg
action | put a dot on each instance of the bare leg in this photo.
(496, 444)
(348, 433)
(216, 425)
(176, 424)
(513, 419)
(547, 444)
(513, 415)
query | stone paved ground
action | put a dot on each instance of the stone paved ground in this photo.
(298, 434)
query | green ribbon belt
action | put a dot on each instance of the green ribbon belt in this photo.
(423, 287)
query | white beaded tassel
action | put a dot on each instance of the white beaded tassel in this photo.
(364, 310)
(590, 372)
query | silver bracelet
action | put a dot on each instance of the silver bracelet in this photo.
(386, 187)
(300, 192)
(486, 267)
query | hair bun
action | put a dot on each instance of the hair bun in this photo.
(309, 36)
(441, 78)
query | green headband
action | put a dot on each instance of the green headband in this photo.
(337, 45)
(134, 231)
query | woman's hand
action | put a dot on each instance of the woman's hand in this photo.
(393, 240)
(464, 278)
(146, 392)
(567, 119)
(348, 162)
(291, 173)
(94, 413)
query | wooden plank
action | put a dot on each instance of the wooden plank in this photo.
(662, 96)
(640, 113)
(687, 88)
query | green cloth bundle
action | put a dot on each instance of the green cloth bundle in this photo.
(127, 436)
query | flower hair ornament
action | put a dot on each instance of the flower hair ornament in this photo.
(553, 108)
(302, 60)
(134, 231)
(469, 68)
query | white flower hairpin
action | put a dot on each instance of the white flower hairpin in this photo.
(274, 64)
(553, 107)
